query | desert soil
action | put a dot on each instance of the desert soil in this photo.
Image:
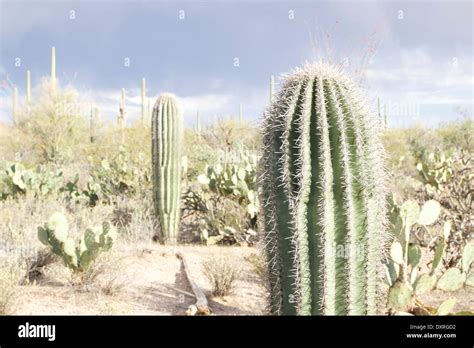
(154, 283)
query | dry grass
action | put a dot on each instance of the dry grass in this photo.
(221, 274)
(258, 265)
(10, 276)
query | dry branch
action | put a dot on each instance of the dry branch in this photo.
(201, 306)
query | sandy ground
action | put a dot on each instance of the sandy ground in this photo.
(154, 284)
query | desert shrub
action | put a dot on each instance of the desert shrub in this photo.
(135, 218)
(259, 265)
(221, 274)
(224, 202)
(79, 258)
(404, 273)
(198, 152)
(449, 179)
(457, 135)
(16, 180)
(10, 276)
(123, 175)
(55, 127)
(36, 263)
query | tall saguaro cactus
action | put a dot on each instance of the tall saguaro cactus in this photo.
(167, 138)
(323, 201)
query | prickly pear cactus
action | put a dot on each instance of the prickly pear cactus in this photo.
(54, 234)
(167, 138)
(322, 186)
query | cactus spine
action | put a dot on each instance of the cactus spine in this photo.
(167, 128)
(143, 100)
(323, 204)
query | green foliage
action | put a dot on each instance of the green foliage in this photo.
(54, 127)
(406, 256)
(322, 193)
(15, 180)
(451, 280)
(448, 179)
(225, 203)
(54, 234)
(237, 181)
(122, 175)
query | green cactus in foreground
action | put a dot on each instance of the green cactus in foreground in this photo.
(167, 138)
(322, 193)
(54, 234)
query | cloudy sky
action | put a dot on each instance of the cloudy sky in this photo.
(416, 56)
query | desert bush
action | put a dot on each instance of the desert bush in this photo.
(16, 180)
(54, 234)
(259, 265)
(10, 276)
(449, 179)
(224, 201)
(36, 263)
(122, 175)
(403, 268)
(221, 274)
(55, 127)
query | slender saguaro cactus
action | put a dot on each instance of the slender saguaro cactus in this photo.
(53, 70)
(322, 186)
(144, 116)
(15, 105)
(379, 111)
(272, 87)
(148, 107)
(167, 138)
(94, 119)
(28, 90)
(121, 116)
(198, 123)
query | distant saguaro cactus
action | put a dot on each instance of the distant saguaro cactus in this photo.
(322, 184)
(15, 105)
(28, 90)
(144, 114)
(53, 71)
(167, 138)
